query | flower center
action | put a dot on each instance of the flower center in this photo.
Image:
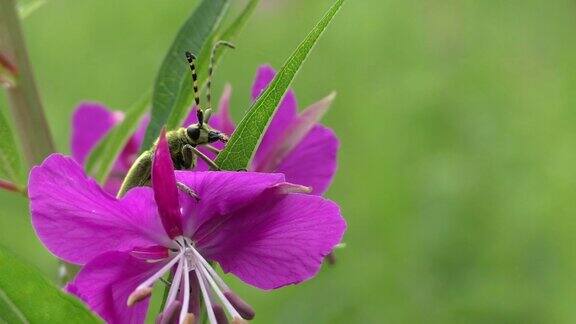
(212, 288)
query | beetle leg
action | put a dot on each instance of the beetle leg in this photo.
(187, 190)
(212, 149)
(206, 159)
(188, 157)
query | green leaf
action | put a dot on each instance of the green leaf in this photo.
(102, 157)
(173, 82)
(179, 114)
(10, 165)
(242, 145)
(27, 297)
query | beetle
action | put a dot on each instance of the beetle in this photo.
(184, 140)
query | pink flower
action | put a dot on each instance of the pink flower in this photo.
(91, 121)
(266, 231)
(294, 143)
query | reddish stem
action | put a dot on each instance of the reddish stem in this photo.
(8, 65)
(24, 100)
(7, 185)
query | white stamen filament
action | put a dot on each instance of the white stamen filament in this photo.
(160, 273)
(211, 270)
(231, 310)
(186, 301)
(189, 259)
(174, 286)
(211, 316)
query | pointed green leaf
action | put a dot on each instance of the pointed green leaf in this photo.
(242, 145)
(27, 297)
(173, 82)
(10, 165)
(102, 157)
(180, 113)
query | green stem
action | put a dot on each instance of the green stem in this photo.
(25, 104)
(24, 99)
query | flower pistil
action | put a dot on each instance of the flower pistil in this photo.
(212, 288)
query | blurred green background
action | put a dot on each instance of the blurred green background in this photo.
(458, 156)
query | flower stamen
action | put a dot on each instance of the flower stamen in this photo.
(189, 259)
(237, 304)
(144, 290)
(209, 310)
(174, 286)
(167, 316)
(245, 310)
(189, 318)
(213, 273)
(150, 281)
(138, 295)
(220, 314)
(186, 301)
(231, 310)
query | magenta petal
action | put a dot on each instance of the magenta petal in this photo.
(192, 118)
(138, 137)
(140, 201)
(277, 240)
(91, 121)
(105, 283)
(264, 76)
(150, 253)
(313, 162)
(220, 193)
(293, 134)
(284, 116)
(165, 190)
(77, 220)
(131, 150)
(114, 183)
